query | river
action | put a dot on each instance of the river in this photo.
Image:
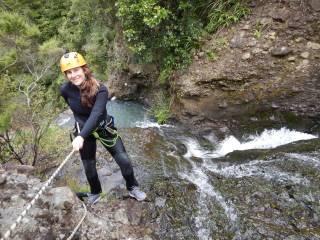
(262, 186)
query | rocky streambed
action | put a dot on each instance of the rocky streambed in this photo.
(196, 190)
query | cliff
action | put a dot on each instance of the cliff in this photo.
(265, 66)
(264, 69)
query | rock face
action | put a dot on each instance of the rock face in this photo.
(48, 218)
(265, 66)
(267, 62)
(127, 80)
(57, 212)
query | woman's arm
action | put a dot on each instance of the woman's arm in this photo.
(63, 92)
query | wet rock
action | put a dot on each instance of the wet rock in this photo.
(313, 45)
(61, 197)
(201, 54)
(238, 41)
(253, 119)
(160, 202)
(105, 172)
(3, 179)
(246, 56)
(274, 106)
(265, 21)
(23, 186)
(291, 59)
(315, 4)
(280, 15)
(280, 51)
(256, 50)
(147, 238)
(121, 216)
(135, 69)
(252, 43)
(223, 105)
(246, 27)
(24, 169)
(305, 55)
(272, 35)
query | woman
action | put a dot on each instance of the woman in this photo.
(87, 99)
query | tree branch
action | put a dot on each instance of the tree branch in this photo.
(7, 140)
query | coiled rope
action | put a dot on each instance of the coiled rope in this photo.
(18, 220)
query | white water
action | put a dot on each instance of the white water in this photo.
(63, 121)
(312, 161)
(198, 177)
(267, 139)
(150, 124)
(257, 168)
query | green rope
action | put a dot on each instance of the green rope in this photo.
(107, 142)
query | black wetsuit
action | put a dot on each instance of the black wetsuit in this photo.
(89, 119)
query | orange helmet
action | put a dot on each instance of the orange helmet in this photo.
(71, 60)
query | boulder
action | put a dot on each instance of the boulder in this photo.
(61, 198)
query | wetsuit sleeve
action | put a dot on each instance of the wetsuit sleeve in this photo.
(63, 93)
(96, 114)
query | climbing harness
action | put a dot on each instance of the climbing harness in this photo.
(101, 136)
(106, 134)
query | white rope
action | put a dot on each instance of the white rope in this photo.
(83, 217)
(14, 225)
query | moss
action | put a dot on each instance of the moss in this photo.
(75, 186)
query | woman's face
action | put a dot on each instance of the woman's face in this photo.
(76, 75)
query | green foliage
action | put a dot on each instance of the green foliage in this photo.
(5, 117)
(164, 75)
(75, 186)
(16, 36)
(222, 13)
(163, 32)
(25, 64)
(88, 28)
(161, 109)
(221, 42)
(50, 15)
(168, 32)
(54, 142)
(14, 25)
(212, 55)
(47, 15)
(258, 29)
(6, 107)
(161, 113)
(34, 34)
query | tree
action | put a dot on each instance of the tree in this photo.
(24, 65)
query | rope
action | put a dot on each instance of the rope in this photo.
(14, 225)
(83, 217)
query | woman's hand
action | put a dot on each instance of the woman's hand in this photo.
(77, 143)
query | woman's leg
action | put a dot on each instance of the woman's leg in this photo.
(119, 153)
(88, 157)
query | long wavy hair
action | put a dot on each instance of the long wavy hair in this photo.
(88, 88)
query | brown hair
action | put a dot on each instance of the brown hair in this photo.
(88, 88)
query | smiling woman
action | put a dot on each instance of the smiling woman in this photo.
(87, 99)
(76, 75)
